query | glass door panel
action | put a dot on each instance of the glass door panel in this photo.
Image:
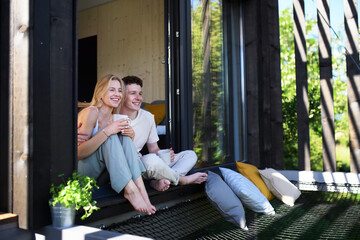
(210, 116)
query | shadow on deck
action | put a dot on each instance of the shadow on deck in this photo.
(185, 213)
(315, 215)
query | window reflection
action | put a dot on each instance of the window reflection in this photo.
(208, 82)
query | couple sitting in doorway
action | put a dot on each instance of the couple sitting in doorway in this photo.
(116, 145)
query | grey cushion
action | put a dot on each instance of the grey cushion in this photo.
(158, 102)
(143, 104)
(224, 200)
(247, 192)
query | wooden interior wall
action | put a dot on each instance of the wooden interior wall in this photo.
(130, 41)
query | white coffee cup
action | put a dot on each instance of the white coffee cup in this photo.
(120, 116)
(165, 155)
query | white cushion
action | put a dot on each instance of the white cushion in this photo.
(280, 186)
(224, 200)
(248, 193)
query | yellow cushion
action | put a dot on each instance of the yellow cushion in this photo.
(252, 173)
(158, 110)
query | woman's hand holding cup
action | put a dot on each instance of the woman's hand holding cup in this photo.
(118, 125)
(129, 131)
(121, 118)
(124, 125)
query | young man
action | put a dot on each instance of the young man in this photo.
(143, 125)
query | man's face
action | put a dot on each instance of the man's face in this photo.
(133, 98)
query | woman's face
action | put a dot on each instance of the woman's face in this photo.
(113, 96)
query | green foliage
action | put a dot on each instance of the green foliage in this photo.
(76, 192)
(343, 158)
(288, 81)
(288, 85)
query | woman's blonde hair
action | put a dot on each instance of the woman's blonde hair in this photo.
(102, 86)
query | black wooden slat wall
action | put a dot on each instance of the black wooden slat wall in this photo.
(272, 70)
(263, 84)
(54, 101)
(353, 81)
(302, 103)
(252, 49)
(326, 87)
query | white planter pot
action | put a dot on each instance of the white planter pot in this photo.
(62, 217)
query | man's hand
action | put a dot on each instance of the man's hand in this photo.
(82, 136)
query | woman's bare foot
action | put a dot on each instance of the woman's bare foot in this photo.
(195, 178)
(134, 196)
(151, 209)
(160, 185)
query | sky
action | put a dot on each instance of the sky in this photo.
(336, 22)
(336, 11)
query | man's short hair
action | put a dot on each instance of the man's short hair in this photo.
(132, 79)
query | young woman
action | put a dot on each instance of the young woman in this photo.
(109, 144)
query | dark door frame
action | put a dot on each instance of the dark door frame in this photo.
(5, 169)
(178, 73)
(179, 76)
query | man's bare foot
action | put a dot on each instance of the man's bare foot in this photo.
(160, 185)
(133, 195)
(195, 178)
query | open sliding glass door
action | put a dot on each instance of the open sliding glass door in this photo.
(206, 79)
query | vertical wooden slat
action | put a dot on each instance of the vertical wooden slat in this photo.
(42, 133)
(264, 89)
(326, 87)
(253, 76)
(19, 94)
(353, 81)
(273, 72)
(302, 103)
(53, 101)
(270, 87)
(263, 84)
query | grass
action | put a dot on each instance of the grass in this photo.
(342, 158)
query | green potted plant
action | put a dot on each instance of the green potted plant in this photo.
(71, 196)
